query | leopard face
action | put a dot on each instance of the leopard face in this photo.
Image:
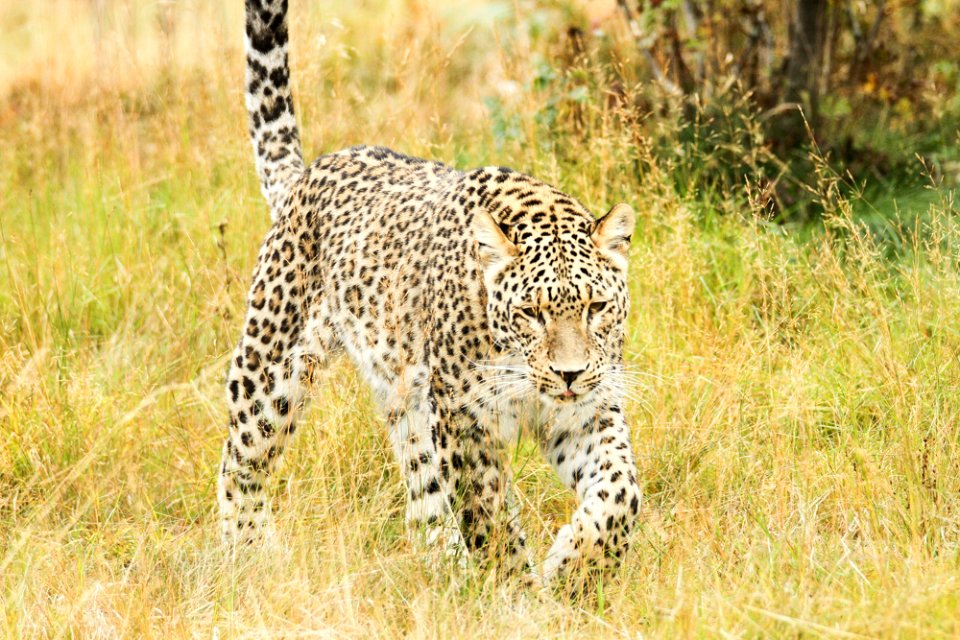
(557, 296)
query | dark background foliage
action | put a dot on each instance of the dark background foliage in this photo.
(732, 92)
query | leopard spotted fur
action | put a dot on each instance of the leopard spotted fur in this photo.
(469, 301)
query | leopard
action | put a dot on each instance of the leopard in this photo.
(472, 302)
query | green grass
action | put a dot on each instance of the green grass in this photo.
(797, 433)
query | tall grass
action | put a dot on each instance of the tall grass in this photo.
(796, 433)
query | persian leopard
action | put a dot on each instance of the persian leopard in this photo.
(469, 301)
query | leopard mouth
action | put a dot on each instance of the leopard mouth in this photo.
(567, 396)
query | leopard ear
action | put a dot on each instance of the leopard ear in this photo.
(493, 245)
(613, 232)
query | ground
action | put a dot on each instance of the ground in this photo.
(796, 431)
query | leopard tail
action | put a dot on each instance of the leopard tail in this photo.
(273, 127)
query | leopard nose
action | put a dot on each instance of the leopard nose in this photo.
(568, 376)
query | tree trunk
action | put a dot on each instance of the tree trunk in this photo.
(803, 66)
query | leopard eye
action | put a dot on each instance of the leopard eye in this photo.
(532, 313)
(596, 308)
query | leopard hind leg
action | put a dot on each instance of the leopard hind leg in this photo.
(284, 343)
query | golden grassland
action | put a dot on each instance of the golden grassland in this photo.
(796, 433)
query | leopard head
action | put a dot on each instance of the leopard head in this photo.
(556, 284)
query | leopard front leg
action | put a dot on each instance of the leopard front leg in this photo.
(596, 461)
(489, 513)
(417, 431)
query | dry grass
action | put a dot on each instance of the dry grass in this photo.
(798, 430)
